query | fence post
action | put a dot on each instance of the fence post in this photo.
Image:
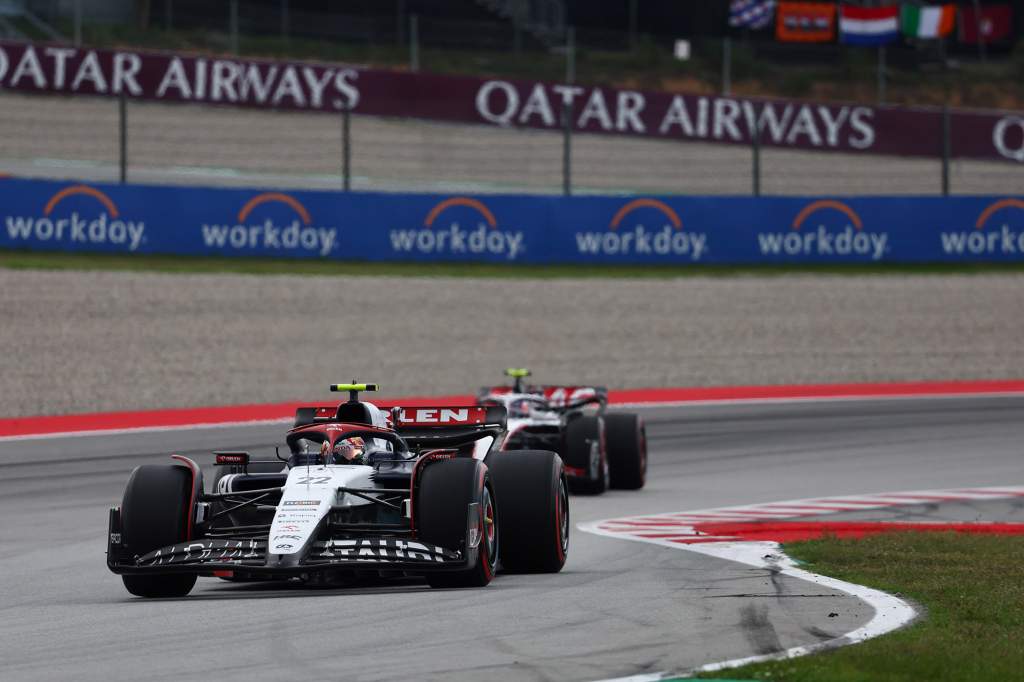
(633, 15)
(286, 21)
(881, 74)
(400, 23)
(517, 29)
(727, 66)
(123, 135)
(566, 148)
(414, 42)
(78, 23)
(570, 77)
(570, 55)
(756, 157)
(233, 26)
(946, 148)
(346, 147)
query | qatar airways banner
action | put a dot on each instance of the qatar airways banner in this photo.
(59, 216)
(331, 87)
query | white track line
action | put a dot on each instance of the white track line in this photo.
(890, 612)
(818, 399)
(646, 677)
(147, 429)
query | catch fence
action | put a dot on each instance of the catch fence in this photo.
(127, 140)
(409, 129)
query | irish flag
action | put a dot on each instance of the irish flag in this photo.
(868, 25)
(928, 22)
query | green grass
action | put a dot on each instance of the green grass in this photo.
(24, 260)
(971, 586)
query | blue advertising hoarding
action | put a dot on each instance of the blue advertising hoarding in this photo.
(68, 216)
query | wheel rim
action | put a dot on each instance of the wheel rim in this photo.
(643, 449)
(606, 474)
(595, 457)
(563, 512)
(490, 527)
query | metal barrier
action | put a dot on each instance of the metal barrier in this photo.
(126, 140)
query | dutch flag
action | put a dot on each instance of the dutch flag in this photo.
(868, 25)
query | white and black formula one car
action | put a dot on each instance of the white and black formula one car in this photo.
(422, 491)
(600, 449)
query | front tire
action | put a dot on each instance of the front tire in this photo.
(154, 514)
(446, 490)
(627, 450)
(533, 503)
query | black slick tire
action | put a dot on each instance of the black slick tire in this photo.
(154, 514)
(584, 438)
(533, 504)
(627, 450)
(445, 492)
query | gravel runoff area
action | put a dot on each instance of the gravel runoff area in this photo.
(95, 341)
(77, 137)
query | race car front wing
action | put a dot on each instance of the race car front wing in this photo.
(206, 555)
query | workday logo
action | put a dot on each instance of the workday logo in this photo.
(459, 225)
(826, 228)
(293, 229)
(644, 227)
(993, 233)
(78, 215)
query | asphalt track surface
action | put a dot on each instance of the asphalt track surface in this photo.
(618, 608)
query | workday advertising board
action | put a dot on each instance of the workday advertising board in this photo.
(509, 229)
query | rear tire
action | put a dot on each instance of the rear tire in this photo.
(154, 514)
(584, 436)
(533, 503)
(627, 450)
(446, 490)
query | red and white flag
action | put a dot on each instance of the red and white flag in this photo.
(992, 24)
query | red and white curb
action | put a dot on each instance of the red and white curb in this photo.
(689, 528)
(109, 423)
(682, 530)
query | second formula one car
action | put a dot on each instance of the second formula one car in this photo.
(600, 449)
(405, 492)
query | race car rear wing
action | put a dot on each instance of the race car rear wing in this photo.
(573, 397)
(448, 417)
(305, 416)
(559, 398)
(352, 411)
(447, 426)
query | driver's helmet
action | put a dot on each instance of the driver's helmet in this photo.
(522, 407)
(349, 450)
(518, 408)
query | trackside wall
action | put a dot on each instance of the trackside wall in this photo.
(61, 216)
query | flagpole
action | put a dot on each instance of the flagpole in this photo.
(726, 66)
(881, 74)
(977, 30)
